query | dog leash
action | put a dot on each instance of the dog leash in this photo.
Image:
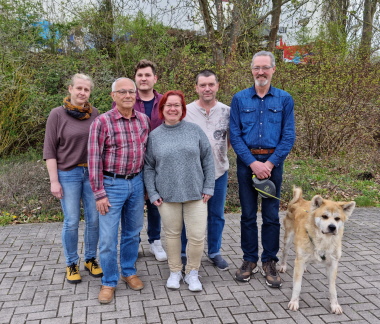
(265, 193)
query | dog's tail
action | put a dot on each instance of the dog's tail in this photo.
(297, 195)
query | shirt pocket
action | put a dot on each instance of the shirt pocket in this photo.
(275, 115)
(248, 116)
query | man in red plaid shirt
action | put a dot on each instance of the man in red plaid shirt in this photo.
(116, 148)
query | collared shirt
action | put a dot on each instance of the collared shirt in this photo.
(139, 106)
(216, 126)
(116, 144)
(266, 122)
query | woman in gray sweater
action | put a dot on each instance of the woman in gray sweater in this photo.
(179, 179)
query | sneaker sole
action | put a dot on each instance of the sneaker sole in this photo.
(194, 290)
(174, 288)
(248, 278)
(74, 281)
(93, 275)
(158, 259)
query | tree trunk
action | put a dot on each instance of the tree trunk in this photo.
(215, 41)
(235, 33)
(366, 39)
(275, 24)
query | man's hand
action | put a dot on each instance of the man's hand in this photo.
(262, 170)
(102, 206)
(56, 189)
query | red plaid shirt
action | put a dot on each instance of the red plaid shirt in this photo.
(116, 144)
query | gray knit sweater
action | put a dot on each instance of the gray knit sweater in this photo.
(179, 165)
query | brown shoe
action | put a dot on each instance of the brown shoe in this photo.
(271, 274)
(106, 294)
(133, 282)
(245, 271)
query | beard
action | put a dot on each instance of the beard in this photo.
(261, 83)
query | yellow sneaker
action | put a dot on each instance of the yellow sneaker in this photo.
(93, 268)
(72, 274)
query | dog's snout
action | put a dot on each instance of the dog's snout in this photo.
(332, 227)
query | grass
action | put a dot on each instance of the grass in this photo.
(25, 189)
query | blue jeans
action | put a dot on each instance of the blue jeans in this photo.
(270, 230)
(154, 222)
(215, 218)
(127, 207)
(76, 187)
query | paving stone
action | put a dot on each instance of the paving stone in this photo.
(33, 289)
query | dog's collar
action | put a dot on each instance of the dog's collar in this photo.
(323, 257)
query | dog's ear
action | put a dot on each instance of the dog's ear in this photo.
(316, 202)
(348, 207)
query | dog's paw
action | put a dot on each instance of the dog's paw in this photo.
(282, 267)
(294, 305)
(336, 309)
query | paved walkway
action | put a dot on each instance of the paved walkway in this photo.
(33, 287)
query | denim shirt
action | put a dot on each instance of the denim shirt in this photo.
(258, 123)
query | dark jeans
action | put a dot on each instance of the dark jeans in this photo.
(154, 222)
(270, 229)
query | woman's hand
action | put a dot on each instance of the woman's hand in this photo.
(158, 202)
(56, 189)
(206, 198)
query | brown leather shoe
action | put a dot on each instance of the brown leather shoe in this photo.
(106, 294)
(133, 282)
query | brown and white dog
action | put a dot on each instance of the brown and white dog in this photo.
(317, 228)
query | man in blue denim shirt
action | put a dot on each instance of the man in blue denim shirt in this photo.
(262, 134)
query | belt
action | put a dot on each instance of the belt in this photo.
(127, 176)
(262, 151)
(83, 165)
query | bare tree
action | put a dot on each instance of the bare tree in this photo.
(275, 24)
(367, 31)
(335, 12)
(226, 24)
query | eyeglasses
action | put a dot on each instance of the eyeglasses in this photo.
(176, 106)
(264, 68)
(124, 92)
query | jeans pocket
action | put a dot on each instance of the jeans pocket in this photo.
(108, 181)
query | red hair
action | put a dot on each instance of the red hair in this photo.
(164, 99)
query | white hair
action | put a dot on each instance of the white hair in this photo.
(114, 83)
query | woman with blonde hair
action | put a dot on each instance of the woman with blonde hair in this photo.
(65, 152)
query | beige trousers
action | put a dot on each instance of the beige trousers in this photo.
(173, 215)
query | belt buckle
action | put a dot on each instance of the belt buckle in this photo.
(130, 176)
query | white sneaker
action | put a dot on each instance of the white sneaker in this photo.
(192, 280)
(174, 280)
(158, 251)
